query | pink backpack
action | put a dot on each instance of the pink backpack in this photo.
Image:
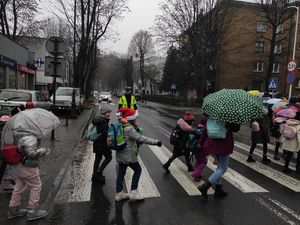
(289, 132)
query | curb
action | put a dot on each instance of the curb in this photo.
(47, 204)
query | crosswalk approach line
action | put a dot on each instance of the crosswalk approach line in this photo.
(146, 184)
(269, 172)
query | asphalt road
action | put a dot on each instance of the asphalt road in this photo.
(258, 194)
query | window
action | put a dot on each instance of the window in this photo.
(261, 27)
(276, 68)
(278, 49)
(279, 29)
(259, 46)
(258, 66)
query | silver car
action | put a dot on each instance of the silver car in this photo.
(10, 98)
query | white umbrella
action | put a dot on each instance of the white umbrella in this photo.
(273, 101)
(38, 122)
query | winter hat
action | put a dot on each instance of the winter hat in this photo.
(188, 116)
(104, 109)
(129, 114)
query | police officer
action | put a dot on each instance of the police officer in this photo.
(128, 100)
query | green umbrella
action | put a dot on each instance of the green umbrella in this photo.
(233, 106)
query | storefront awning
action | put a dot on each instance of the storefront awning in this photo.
(25, 69)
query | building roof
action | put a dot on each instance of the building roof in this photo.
(13, 41)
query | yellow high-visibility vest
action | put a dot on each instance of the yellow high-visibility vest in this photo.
(124, 103)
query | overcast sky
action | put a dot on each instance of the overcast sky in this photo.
(142, 16)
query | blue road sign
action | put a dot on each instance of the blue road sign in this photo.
(39, 61)
(290, 78)
(173, 87)
(273, 84)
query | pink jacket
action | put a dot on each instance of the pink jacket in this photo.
(184, 125)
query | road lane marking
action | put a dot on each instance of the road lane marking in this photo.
(275, 211)
(236, 179)
(146, 184)
(246, 148)
(285, 208)
(179, 171)
(269, 172)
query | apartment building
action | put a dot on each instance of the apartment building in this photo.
(245, 48)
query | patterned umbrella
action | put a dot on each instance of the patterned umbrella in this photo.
(233, 106)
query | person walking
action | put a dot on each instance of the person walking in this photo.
(27, 176)
(128, 100)
(129, 156)
(259, 134)
(184, 125)
(200, 154)
(291, 143)
(100, 147)
(221, 148)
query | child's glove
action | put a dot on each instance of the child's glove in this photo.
(159, 144)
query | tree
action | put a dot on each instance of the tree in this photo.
(275, 13)
(92, 23)
(17, 17)
(195, 27)
(141, 46)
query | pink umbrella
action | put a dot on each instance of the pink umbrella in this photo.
(287, 113)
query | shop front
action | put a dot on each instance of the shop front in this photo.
(8, 72)
(26, 77)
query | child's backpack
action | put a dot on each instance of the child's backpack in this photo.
(175, 136)
(289, 132)
(116, 133)
(216, 129)
(275, 130)
(11, 154)
(192, 143)
(92, 133)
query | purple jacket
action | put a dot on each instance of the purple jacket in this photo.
(221, 146)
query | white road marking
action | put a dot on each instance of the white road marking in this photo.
(275, 211)
(239, 181)
(267, 171)
(83, 184)
(285, 208)
(146, 184)
(259, 153)
(179, 171)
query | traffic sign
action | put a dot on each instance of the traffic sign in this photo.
(290, 78)
(173, 87)
(59, 50)
(60, 67)
(273, 84)
(292, 65)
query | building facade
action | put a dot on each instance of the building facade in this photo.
(243, 58)
(17, 70)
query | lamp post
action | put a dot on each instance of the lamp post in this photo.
(295, 43)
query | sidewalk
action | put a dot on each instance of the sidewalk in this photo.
(53, 167)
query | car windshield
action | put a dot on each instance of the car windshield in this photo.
(15, 96)
(64, 92)
(105, 93)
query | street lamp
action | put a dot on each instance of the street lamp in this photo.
(295, 42)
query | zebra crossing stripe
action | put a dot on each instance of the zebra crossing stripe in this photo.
(242, 183)
(267, 171)
(179, 171)
(258, 153)
(146, 184)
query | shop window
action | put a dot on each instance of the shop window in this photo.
(12, 80)
(22, 81)
(2, 77)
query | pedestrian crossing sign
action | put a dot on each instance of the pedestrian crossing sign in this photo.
(273, 84)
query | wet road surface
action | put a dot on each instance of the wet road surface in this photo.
(258, 194)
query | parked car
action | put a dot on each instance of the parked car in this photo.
(10, 98)
(105, 96)
(63, 99)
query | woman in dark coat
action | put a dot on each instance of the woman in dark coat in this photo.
(100, 147)
(260, 135)
(221, 148)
